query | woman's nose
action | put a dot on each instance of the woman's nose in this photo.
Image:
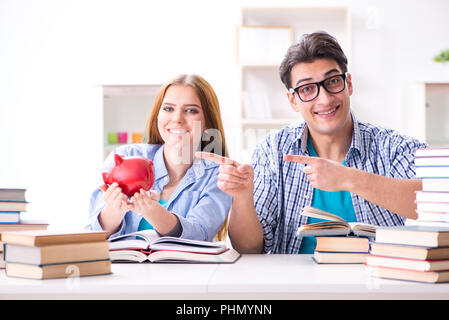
(178, 116)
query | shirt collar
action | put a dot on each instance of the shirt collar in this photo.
(160, 170)
(301, 133)
(200, 165)
(196, 170)
(356, 143)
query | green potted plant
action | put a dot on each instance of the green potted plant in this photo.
(442, 57)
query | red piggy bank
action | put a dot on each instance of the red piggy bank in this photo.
(131, 174)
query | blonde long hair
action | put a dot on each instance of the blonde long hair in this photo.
(212, 116)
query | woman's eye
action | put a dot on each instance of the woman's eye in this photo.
(192, 110)
(166, 108)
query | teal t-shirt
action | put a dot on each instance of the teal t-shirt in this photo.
(144, 224)
(338, 203)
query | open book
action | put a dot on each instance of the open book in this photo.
(334, 226)
(147, 245)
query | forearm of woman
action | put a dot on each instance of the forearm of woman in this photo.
(108, 221)
(161, 219)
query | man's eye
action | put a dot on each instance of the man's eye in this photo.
(334, 81)
(306, 89)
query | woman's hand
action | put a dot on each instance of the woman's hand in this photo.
(144, 202)
(116, 205)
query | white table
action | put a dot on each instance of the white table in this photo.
(251, 277)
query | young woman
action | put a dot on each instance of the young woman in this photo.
(185, 200)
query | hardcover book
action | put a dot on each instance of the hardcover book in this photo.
(147, 245)
(414, 235)
(334, 226)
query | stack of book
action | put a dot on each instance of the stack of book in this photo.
(432, 203)
(42, 254)
(338, 241)
(341, 249)
(413, 252)
(12, 204)
(148, 246)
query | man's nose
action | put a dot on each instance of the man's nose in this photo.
(324, 97)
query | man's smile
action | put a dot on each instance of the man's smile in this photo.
(328, 112)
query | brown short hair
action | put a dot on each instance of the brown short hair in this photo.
(310, 47)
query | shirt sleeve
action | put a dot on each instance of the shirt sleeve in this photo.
(396, 160)
(402, 157)
(266, 190)
(207, 216)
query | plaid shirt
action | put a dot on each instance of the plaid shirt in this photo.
(282, 189)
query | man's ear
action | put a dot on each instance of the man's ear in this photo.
(349, 83)
(292, 100)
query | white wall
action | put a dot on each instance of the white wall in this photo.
(55, 54)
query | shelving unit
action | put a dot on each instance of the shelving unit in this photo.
(430, 111)
(437, 114)
(265, 34)
(125, 109)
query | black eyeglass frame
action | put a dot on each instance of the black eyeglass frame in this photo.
(319, 84)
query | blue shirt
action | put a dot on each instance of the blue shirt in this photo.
(282, 190)
(197, 202)
(338, 203)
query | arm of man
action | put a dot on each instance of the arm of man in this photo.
(394, 194)
(245, 229)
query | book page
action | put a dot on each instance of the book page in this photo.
(154, 240)
(186, 247)
(228, 256)
(190, 242)
(128, 244)
(128, 255)
(323, 228)
(149, 235)
(363, 229)
(320, 214)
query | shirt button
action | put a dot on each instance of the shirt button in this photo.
(306, 197)
(166, 179)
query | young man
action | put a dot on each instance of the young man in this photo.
(331, 161)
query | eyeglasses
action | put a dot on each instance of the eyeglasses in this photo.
(310, 91)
